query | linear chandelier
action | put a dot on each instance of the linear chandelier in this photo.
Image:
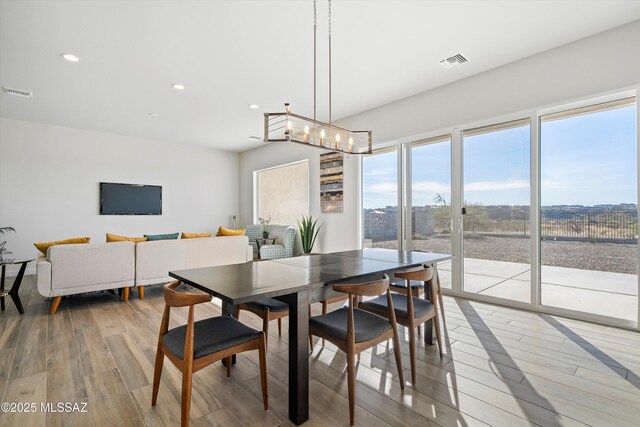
(290, 127)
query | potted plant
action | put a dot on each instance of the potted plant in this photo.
(265, 226)
(3, 251)
(308, 232)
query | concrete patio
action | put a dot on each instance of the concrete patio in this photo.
(603, 293)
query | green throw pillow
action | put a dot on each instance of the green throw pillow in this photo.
(171, 236)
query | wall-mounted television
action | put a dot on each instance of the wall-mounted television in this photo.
(130, 199)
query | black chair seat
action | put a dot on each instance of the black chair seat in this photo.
(421, 307)
(403, 285)
(210, 336)
(367, 325)
(269, 303)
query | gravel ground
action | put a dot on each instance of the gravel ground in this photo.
(614, 257)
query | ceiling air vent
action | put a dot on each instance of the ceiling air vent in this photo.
(255, 138)
(17, 92)
(453, 61)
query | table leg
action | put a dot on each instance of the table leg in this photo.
(228, 309)
(2, 287)
(428, 325)
(16, 288)
(298, 356)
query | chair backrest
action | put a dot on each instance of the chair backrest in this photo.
(181, 299)
(420, 274)
(365, 289)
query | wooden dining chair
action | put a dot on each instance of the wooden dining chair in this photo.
(325, 309)
(417, 289)
(267, 309)
(196, 345)
(353, 330)
(410, 311)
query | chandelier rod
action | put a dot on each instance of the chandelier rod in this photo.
(315, 25)
(330, 122)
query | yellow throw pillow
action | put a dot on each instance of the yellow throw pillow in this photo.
(43, 246)
(195, 235)
(115, 238)
(229, 232)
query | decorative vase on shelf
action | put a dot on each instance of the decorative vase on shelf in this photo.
(265, 234)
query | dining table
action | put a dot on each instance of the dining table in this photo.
(300, 281)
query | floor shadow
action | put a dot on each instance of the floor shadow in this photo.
(504, 371)
(593, 351)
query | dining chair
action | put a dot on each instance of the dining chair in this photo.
(410, 311)
(196, 345)
(325, 309)
(417, 289)
(353, 330)
(267, 309)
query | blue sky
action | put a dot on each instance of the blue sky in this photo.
(585, 160)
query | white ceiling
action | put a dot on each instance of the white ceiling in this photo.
(230, 54)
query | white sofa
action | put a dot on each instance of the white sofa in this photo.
(74, 269)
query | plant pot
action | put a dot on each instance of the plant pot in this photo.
(265, 234)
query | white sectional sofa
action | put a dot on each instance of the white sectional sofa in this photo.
(74, 269)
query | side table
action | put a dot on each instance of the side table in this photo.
(13, 293)
(262, 242)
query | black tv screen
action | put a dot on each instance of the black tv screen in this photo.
(130, 199)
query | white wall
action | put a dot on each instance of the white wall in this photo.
(601, 63)
(606, 61)
(50, 175)
(341, 229)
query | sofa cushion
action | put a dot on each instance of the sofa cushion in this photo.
(171, 236)
(115, 238)
(229, 232)
(43, 246)
(195, 235)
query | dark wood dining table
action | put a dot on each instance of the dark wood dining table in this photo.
(300, 281)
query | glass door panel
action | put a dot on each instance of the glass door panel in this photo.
(496, 200)
(589, 220)
(431, 225)
(380, 200)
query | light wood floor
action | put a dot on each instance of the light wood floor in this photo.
(502, 367)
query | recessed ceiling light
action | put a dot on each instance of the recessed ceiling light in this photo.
(253, 106)
(70, 57)
(153, 114)
(177, 86)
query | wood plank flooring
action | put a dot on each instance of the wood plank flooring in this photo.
(502, 367)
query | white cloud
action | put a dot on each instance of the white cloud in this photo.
(380, 172)
(495, 186)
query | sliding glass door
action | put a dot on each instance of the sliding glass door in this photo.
(589, 216)
(543, 217)
(496, 206)
(431, 224)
